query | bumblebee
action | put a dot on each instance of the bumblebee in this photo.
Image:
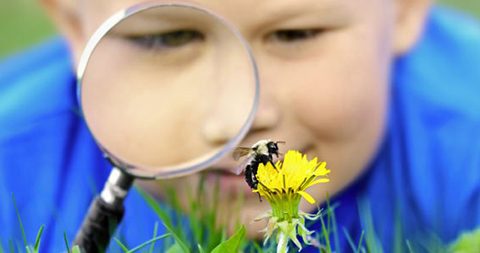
(260, 152)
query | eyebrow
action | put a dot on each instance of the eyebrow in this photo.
(280, 11)
(150, 21)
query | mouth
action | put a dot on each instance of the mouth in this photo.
(228, 182)
(223, 172)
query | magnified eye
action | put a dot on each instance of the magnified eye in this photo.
(294, 35)
(167, 40)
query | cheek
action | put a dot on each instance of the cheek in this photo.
(343, 89)
(142, 112)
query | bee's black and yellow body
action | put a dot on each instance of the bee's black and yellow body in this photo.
(261, 153)
(252, 168)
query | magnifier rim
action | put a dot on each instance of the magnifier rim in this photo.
(175, 171)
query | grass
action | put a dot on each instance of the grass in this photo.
(75, 249)
(200, 231)
(190, 237)
(23, 23)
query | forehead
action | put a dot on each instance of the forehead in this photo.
(246, 13)
(272, 6)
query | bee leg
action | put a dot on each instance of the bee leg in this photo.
(273, 164)
(259, 196)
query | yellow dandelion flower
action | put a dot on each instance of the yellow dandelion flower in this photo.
(283, 185)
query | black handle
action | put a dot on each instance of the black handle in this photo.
(98, 227)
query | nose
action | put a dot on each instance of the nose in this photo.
(268, 115)
(225, 124)
(229, 114)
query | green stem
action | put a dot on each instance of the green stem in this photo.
(285, 206)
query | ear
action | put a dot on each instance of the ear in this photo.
(411, 16)
(66, 16)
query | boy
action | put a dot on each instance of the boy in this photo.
(394, 112)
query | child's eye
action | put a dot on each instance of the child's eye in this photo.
(169, 40)
(293, 35)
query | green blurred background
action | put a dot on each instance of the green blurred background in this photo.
(23, 22)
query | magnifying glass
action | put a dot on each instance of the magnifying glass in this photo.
(166, 90)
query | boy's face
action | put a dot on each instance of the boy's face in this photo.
(324, 69)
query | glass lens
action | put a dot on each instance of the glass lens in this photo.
(167, 89)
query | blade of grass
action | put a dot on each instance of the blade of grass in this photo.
(212, 214)
(148, 242)
(19, 247)
(331, 211)
(173, 201)
(28, 249)
(360, 242)
(66, 241)
(237, 208)
(398, 232)
(349, 239)
(216, 190)
(200, 193)
(232, 244)
(154, 235)
(192, 218)
(430, 242)
(175, 248)
(20, 221)
(223, 238)
(124, 248)
(11, 247)
(167, 243)
(409, 247)
(37, 241)
(196, 216)
(200, 249)
(201, 211)
(366, 220)
(329, 231)
(121, 237)
(165, 219)
(76, 249)
(325, 234)
(257, 247)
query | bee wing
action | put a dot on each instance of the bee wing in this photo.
(240, 152)
(243, 165)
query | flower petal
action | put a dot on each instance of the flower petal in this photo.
(307, 197)
(310, 216)
(282, 243)
(318, 181)
(303, 232)
(293, 237)
(266, 215)
(271, 227)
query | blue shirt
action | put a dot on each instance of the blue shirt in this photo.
(426, 175)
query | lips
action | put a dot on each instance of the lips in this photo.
(229, 183)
